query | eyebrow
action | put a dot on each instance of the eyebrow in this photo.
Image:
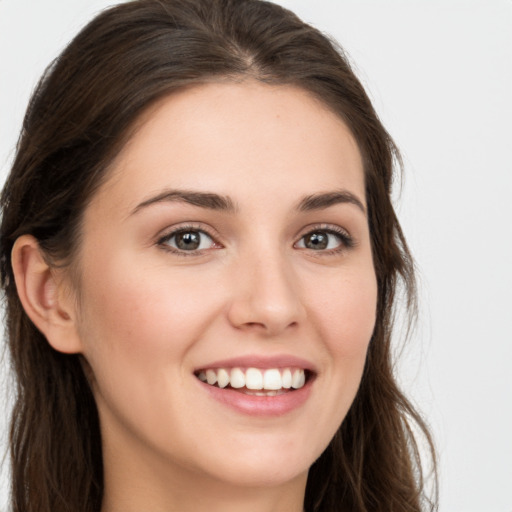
(207, 200)
(325, 200)
(212, 201)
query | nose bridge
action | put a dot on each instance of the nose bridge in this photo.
(266, 291)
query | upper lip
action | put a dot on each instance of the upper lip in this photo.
(260, 361)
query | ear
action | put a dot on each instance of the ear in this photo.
(44, 295)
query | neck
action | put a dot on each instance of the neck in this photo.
(200, 494)
(135, 482)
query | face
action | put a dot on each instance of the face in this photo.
(229, 244)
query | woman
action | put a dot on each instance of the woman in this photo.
(200, 257)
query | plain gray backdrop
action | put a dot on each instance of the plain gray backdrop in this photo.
(440, 75)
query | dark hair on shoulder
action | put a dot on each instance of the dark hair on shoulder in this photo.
(78, 119)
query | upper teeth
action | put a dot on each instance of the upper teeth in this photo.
(253, 378)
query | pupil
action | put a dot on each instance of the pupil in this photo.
(316, 241)
(187, 241)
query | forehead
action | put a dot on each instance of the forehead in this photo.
(249, 135)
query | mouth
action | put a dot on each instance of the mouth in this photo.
(256, 381)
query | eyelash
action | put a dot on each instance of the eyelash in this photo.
(163, 241)
(346, 241)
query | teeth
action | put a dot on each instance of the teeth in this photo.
(222, 378)
(237, 378)
(271, 380)
(211, 377)
(298, 379)
(253, 379)
(287, 379)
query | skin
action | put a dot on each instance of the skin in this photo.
(145, 315)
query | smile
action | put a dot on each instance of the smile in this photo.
(254, 381)
(259, 385)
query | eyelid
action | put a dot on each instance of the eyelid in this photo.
(346, 239)
(171, 231)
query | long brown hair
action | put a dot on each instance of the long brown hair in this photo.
(77, 121)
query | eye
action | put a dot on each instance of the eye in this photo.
(325, 240)
(187, 240)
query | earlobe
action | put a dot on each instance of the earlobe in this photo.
(43, 296)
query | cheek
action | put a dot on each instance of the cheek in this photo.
(143, 313)
(346, 312)
(346, 320)
(140, 322)
(343, 313)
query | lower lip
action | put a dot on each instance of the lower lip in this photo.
(260, 405)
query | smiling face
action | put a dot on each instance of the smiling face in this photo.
(229, 245)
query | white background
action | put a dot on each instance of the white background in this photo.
(440, 75)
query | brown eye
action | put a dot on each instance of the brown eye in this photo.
(325, 240)
(188, 240)
(316, 241)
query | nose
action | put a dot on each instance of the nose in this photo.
(266, 298)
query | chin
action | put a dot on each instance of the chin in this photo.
(263, 474)
(274, 464)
